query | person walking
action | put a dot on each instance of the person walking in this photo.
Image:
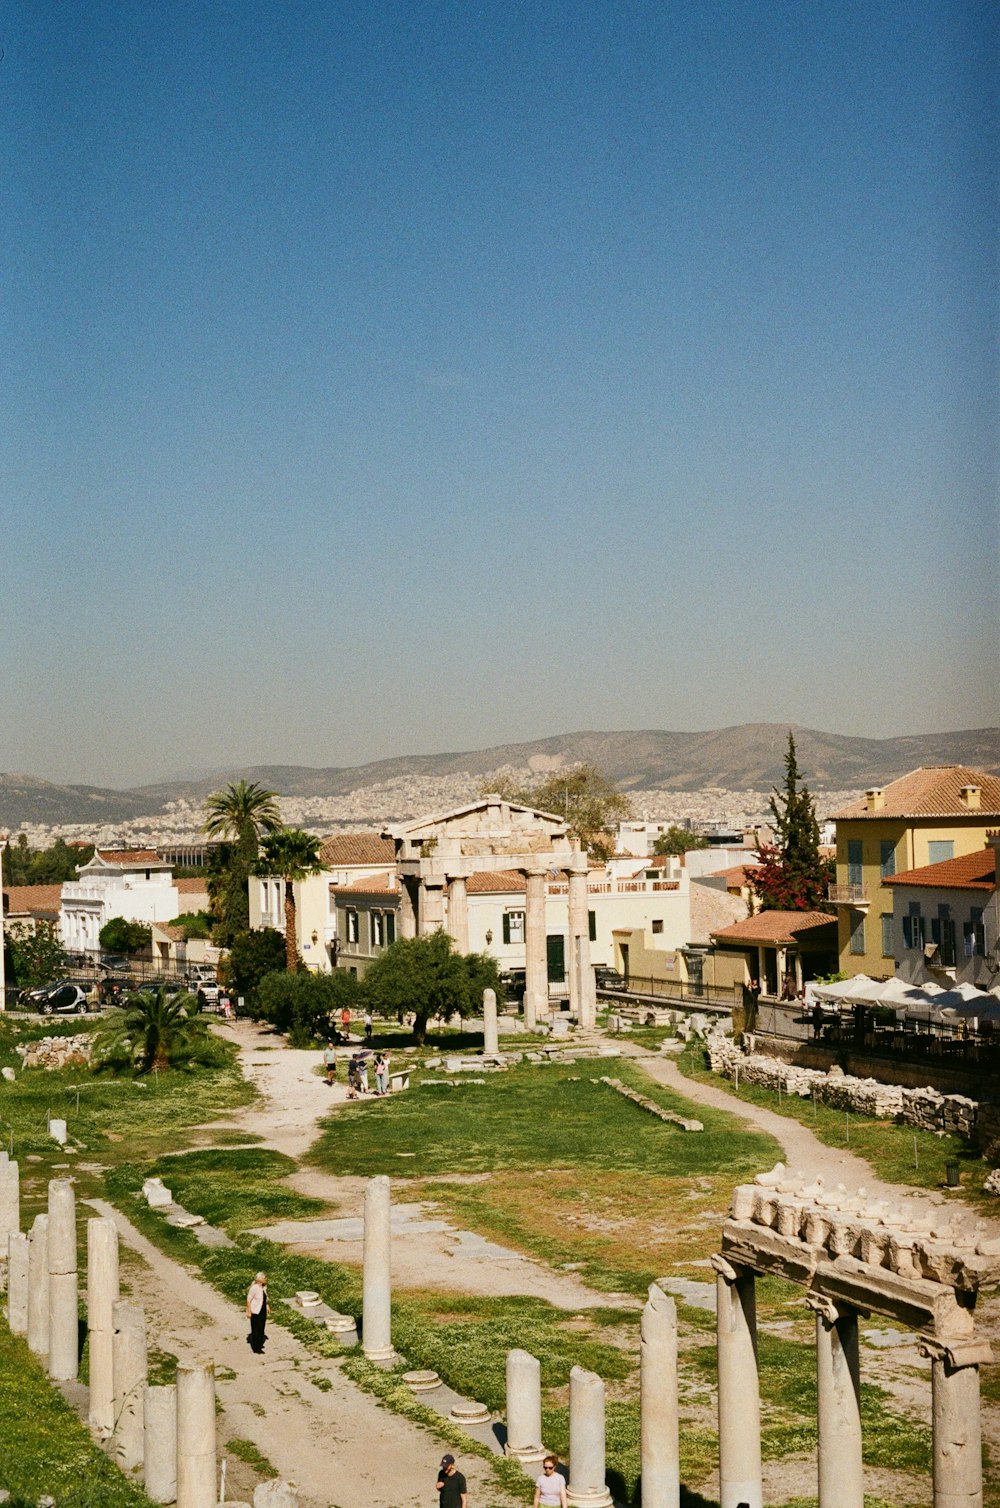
(257, 1312)
(330, 1063)
(345, 1023)
(550, 1487)
(452, 1490)
(368, 1026)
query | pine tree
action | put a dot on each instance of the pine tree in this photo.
(791, 873)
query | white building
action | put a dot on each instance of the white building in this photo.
(132, 883)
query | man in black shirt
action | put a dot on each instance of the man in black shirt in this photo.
(451, 1485)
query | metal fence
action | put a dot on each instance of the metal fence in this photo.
(671, 992)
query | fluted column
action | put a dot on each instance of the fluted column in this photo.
(407, 908)
(17, 1283)
(10, 1199)
(431, 914)
(536, 964)
(586, 1487)
(102, 1296)
(659, 1414)
(838, 1406)
(582, 990)
(376, 1314)
(458, 913)
(740, 1477)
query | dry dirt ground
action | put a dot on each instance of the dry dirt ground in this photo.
(324, 1440)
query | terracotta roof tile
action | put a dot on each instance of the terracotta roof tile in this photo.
(931, 791)
(737, 875)
(192, 885)
(776, 926)
(357, 848)
(38, 900)
(129, 855)
(375, 884)
(501, 882)
(970, 871)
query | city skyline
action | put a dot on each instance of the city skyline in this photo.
(400, 380)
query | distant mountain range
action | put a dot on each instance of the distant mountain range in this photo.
(749, 757)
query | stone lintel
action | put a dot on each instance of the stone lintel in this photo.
(916, 1303)
(762, 1249)
(970, 1353)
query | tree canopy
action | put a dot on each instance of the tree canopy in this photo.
(44, 866)
(305, 1005)
(289, 855)
(251, 957)
(426, 977)
(121, 936)
(240, 808)
(589, 803)
(678, 840)
(791, 874)
(35, 953)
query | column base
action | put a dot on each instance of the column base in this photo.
(380, 1355)
(599, 1497)
(527, 1455)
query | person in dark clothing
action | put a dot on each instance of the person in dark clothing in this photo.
(451, 1486)
(257, 1312)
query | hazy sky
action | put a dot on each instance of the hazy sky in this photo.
(398, 377)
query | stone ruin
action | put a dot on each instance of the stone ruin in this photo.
(55, 1052)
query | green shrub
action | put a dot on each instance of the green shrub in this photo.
(303, 1005)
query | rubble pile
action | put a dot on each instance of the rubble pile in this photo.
(55, 1052)
(926, 1108)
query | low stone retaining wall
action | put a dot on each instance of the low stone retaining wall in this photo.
(55, 1052)
(925, 1108)
(645, 1103)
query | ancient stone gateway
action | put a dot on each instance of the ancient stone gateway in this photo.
(851, 1258)
(436, 855)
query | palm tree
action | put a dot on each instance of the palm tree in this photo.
(149, 1029)
(241, 812)
(239, 808)
(290, 855)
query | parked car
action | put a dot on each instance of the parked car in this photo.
(113, 988)
(207, 992)
(116, 963)
(62, 998)
(607, 978)
(512, 982)
(202, 973)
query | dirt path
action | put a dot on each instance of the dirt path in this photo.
(804, 1152)
(428, 1251)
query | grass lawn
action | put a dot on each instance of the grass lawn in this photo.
(45, 1447)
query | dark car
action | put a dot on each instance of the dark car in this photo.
(608, 979)
(63, 998)
(513, 983)
(116, 963)
(112, 990)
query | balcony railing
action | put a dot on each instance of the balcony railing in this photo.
(847, 895)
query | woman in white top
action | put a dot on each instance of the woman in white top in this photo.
(257, 1312)
(550, 1487)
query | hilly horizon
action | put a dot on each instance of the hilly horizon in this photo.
(747, 757)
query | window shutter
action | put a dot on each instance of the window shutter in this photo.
(506, 927)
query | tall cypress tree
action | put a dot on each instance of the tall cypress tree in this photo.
(791, 874)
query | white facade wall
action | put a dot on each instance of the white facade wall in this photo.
(315, 908)
(89, 902)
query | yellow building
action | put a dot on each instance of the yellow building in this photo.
(930, 815)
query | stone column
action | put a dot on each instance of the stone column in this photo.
(10, 1200)
(196, 1435)
(582, 988)
(64, 1325)
(102, 1296)
(17, 1283)
(659, 1427)
(838, 1405)
(407, 909)
(38, 1286)
(957, 1425)
(524, 1408)
(739, 1387)
(458, 912)
(586, 1487)
(536, 964)
(129, 1365)
(491, 1038)
(376, 1314)
(160, 1444)
(431, 913)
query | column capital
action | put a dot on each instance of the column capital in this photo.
(725, 1269)
(970, 1353)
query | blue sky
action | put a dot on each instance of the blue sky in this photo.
(402, 377)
